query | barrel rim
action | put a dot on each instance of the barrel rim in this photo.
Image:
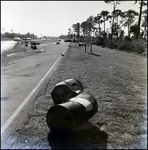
(66, 111)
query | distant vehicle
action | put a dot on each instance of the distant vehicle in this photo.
(75, 40)
(58, 42)
(34, 44)
(81, 43)
(27, 39)
(17, 39)
(67, 40)
(59, 39)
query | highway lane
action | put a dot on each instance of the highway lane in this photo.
(21, 76)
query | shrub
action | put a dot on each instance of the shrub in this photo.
(115, 43)
(109, 43)
(126, 38)
(138, 46)
(100, 41)
(122, 45)
(128, 46)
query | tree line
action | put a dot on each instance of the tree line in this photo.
(12, 35)
(117, 20)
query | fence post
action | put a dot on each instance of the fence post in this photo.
(91, 49)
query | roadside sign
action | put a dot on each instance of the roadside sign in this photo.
(88, 40)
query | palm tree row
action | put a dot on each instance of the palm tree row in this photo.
(117, 20)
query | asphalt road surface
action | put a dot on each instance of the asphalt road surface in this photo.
(21, 79)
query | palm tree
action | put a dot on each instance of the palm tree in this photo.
(99, 21)
(133, 29)
(121, 33)
(115, 3)
(129, 17)
(110, 19)
(77, 29)
(88, 26)
(116, 13)
(142, 3)
(84, 27)
(91, 23)
(104, 14)
(145, 22)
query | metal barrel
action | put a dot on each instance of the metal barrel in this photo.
(68, 115)
(65, 90)
(89, 102)
(65, 117)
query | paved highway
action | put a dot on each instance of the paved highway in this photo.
(21, 79)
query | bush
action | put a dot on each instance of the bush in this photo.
(116, 43)
(100, 41)
(126, 38)
(122, 45)
(139, 46)
(132, 46)
(109, 43)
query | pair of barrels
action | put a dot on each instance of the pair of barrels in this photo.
(72, 106)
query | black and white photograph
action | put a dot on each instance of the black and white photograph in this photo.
(74, 74)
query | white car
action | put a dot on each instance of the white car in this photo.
(17, 39)
(81, 44)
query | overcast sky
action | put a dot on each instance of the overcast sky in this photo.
(52, 18)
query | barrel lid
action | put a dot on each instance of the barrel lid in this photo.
(73, 84)
(61, 94)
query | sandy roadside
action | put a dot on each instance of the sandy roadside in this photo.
(118, 82)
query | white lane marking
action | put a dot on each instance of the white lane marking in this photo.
(8, 122)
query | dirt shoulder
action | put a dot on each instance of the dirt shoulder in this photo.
(116, 79)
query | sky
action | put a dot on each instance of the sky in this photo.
(52, 18)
